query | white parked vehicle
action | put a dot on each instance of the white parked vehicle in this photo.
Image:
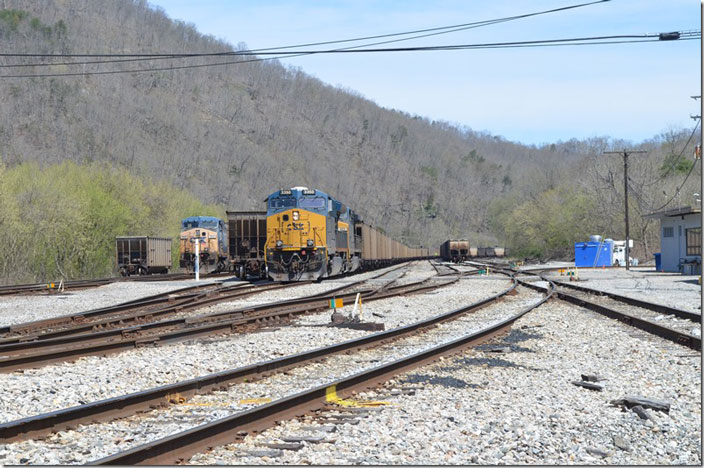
(619, 253)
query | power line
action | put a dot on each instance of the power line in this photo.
(596, 40)
(460, 26)
(433, 32)
(677, 192)
(452, 28)
(302, 53)
(674, 163)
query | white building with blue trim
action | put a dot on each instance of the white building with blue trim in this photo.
(680, 239)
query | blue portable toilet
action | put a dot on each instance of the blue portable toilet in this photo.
(593, 254)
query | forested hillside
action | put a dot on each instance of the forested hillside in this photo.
(232, 134)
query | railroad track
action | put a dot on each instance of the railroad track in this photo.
(443, 269)
(645, 322)
(638, 313)
(178, 448)
(139, 311)
(58, 287)
(132, 326)
(52, 287)
(229, 429)
(179, 300)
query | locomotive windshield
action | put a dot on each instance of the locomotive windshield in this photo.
(205, 224)
(282, 203)
(316, 203)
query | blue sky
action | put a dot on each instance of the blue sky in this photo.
(534, 96)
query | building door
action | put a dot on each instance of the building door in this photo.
(679, 244)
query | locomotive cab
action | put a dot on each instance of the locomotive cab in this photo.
(211, 235)
(307, 235)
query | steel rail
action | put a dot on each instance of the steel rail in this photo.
(90, 331)
(72, 318)
(47, 287)
(679, 337)
(27, 327)
(660, 308)
(453, 270)
(178, 448)
(684, 339)
(88, 283)
(134, 315)
(166, 297)
(91, 283)
(97, 336)
(125, 405)
(175, 330)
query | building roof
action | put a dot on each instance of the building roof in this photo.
(681, 211)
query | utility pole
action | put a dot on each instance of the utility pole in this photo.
(695, 117)
(625, 154)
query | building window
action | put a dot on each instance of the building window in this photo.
(694, 241)
(667, 232)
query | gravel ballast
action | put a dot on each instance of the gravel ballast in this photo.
(201, 409)
(519, 407)
(670, 289)
(34, 391)
(507, 402)
(20, 309)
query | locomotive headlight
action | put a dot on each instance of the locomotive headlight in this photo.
(295, 215)
(279, 243)
(310, 242)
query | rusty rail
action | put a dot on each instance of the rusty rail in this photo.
(22, 355)
(178, 448)
(126, 405)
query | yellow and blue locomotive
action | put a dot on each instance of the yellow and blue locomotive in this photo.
(310, 236)
(211, 234)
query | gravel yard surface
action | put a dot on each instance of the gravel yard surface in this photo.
(507, 402)
(91, 378)
(671, 289)
(95, 441)
(517, 407)
(19, 309)
(670, 321)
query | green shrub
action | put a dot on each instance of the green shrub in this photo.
(61, 221)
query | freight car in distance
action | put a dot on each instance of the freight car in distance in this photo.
(491, 252)
(454, 251)
(142, 255)
(247, 239)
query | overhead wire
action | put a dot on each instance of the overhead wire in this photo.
(677, 192)
(596, 40)
(677, 160)
(442, 29)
